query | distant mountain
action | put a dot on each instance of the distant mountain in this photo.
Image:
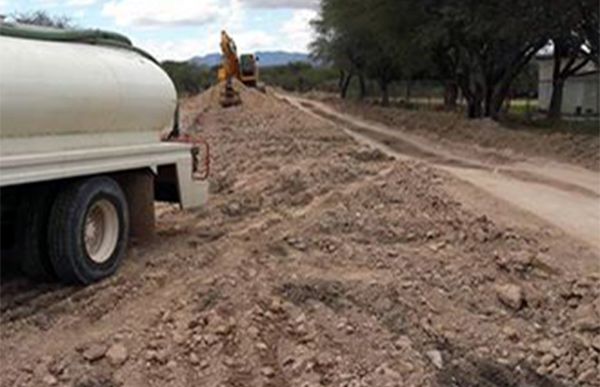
(209, 60)
(279, 58)
(266, 58)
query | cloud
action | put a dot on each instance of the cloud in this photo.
(254, 40)
(150, 13)
(236, 16)
(80, 3)
(297, 4)
(297, 30)
(179, 50)
(47, 3)
(79, 14)
(184, 49)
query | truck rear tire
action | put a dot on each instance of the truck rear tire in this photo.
(32, 234)
(88, 230)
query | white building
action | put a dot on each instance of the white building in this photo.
(580, 94)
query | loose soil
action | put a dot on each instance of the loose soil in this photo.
(564, 195)
(317, 262)
(484, 138)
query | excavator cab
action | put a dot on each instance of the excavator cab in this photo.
(248, 70)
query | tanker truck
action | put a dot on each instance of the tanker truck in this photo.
(82, 160)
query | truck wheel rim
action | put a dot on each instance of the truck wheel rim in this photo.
(101, 231)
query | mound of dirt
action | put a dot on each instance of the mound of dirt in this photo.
(317, 262)
(485, 138)
(194, 108)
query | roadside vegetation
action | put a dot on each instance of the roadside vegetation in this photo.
(43, 19)
(190, 79)
(463, 55)
(426, 94)
(460, 54)
(477, 48)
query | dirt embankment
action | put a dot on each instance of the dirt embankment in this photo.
(318, 262)
(564, 195)
(484, 137)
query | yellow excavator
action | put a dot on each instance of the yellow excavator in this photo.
(244, 68)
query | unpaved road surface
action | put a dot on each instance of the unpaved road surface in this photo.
(568, 142)
(564, 195)
(319, 261)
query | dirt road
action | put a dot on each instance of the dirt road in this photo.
(318, 261)
(563, 195)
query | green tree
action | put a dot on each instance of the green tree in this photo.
(573, 46)
(588, 27)
(340, 43)
(489, 43)
(373, 38)
(479, 47)
(300, 77)
(43, 19)
(188, 78)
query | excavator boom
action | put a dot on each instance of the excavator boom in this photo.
(243, 67)
(230, 66)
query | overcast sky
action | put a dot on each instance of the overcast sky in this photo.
(181, 29)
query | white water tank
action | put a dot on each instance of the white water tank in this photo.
(67, 95)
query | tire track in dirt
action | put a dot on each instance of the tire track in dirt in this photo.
(417, 148)
(575, 208)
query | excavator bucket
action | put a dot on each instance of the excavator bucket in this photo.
(230, 97)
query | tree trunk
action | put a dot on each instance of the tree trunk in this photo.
(345, 86)
(475, 101)
(385, 93)
(363, 86)
(472, 91)
(475, 108)
(341, 79)
(566, 64)
(495, 107)
(555, 108)
(408, 90)
(450, 95)
(498, 99)
(488, 101)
